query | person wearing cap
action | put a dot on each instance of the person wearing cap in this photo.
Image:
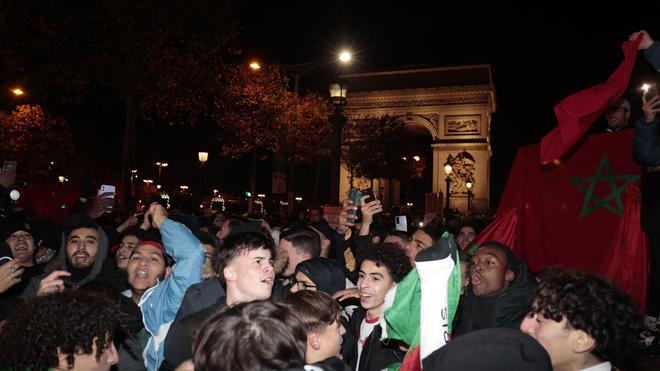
(584, 322)
(618, 116)
(500, 291)
(21, 248)
(495, 349)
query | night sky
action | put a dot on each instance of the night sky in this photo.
(539, 54)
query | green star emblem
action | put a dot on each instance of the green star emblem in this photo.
(604, 174)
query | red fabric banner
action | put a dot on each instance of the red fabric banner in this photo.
(45, 201)
(569, 214)
(503, 229)
(577, 112)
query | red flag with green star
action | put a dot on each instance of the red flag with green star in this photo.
(569, 213)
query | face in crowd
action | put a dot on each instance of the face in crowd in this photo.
(126, 247)
(617, 118)
(373, 283)
(146, 266)
(489, 272)
(82, 247)
(315, 215)
(21, 244)
(465, 236)
(295, 257)
(252, 273)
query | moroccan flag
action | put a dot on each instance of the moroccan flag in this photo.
(420, 309)
(569, 213)
(503, 230)
(577, 112)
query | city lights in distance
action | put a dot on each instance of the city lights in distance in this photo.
(18, 92)
(255, 66)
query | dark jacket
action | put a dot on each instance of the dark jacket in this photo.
(504, 310)
(652, 54)
(646, 142)
(332, 364)
(376, 355)
(179, 340)
(199, 296)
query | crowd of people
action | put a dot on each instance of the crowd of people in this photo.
(167, 290)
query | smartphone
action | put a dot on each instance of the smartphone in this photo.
(651, 92)
(107, 189)
(369, 192)
(401, 223)
(354, 195)
(9, 167)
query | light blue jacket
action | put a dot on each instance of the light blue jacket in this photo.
(160, 303)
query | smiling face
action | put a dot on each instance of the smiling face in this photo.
(250, 276)
(125, 249)
(373, 284)
(489, 272)
(21, 244)
(146, 267)
(82, 247)
(558, 339)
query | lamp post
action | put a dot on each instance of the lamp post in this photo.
(448, 170)
(161, 165)
(202, 157)
(338, 97)
(468, 185)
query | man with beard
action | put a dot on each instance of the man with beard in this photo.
(245, 268)
(86, 247)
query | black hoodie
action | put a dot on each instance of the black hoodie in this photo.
(506, 309)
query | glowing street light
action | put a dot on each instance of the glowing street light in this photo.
(18, 92)
(345, 56)
(203, 157)
(255, 66)
(416, 158)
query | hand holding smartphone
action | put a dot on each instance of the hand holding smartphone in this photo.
(355, 196)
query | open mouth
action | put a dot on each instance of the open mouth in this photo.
(141, 273)
(268, 280)
(475, 279)
(365, 297)
(81, 256)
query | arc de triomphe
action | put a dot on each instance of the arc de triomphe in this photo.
(454, 104)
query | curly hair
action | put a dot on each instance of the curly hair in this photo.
(592, 305)
(390, 255)
(257, 335)
(71, 321)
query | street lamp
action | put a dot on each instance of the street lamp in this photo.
(203, 157)
(345, 56)
(18, 92)
(468, 185)
(255, 66)
(161, 165)
(448, 171)
(338, 97)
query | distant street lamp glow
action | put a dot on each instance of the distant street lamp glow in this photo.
(345, 56)
(203, 157)
(18, 92)
(448, 169)
(255, 66)
(416, 158)
(298, 198)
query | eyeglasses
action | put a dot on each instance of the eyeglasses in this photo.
(301, 285)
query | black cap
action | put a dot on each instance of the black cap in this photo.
(492, 349)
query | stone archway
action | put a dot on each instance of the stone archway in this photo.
(454, 105)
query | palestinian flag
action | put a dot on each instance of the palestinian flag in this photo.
(420, 309)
